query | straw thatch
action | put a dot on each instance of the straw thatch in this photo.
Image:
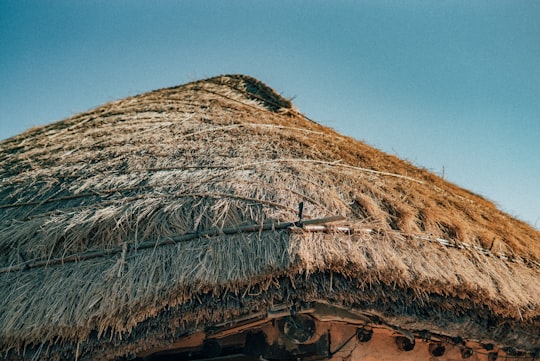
(128, 226)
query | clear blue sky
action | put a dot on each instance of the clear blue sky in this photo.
(448, 85)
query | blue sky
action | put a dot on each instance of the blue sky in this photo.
(453, 86)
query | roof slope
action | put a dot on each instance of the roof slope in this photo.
(153, 215)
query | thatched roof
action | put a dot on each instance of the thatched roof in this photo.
(128, 226)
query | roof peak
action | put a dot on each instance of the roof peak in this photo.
(254, 89)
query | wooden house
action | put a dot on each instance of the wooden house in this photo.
(214, 221)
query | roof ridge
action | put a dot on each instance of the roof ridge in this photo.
(254, 89)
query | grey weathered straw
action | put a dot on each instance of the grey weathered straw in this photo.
(133, 224)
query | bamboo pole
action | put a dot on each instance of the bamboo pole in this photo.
(167, 241)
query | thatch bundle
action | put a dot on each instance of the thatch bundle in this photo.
(128, 226)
